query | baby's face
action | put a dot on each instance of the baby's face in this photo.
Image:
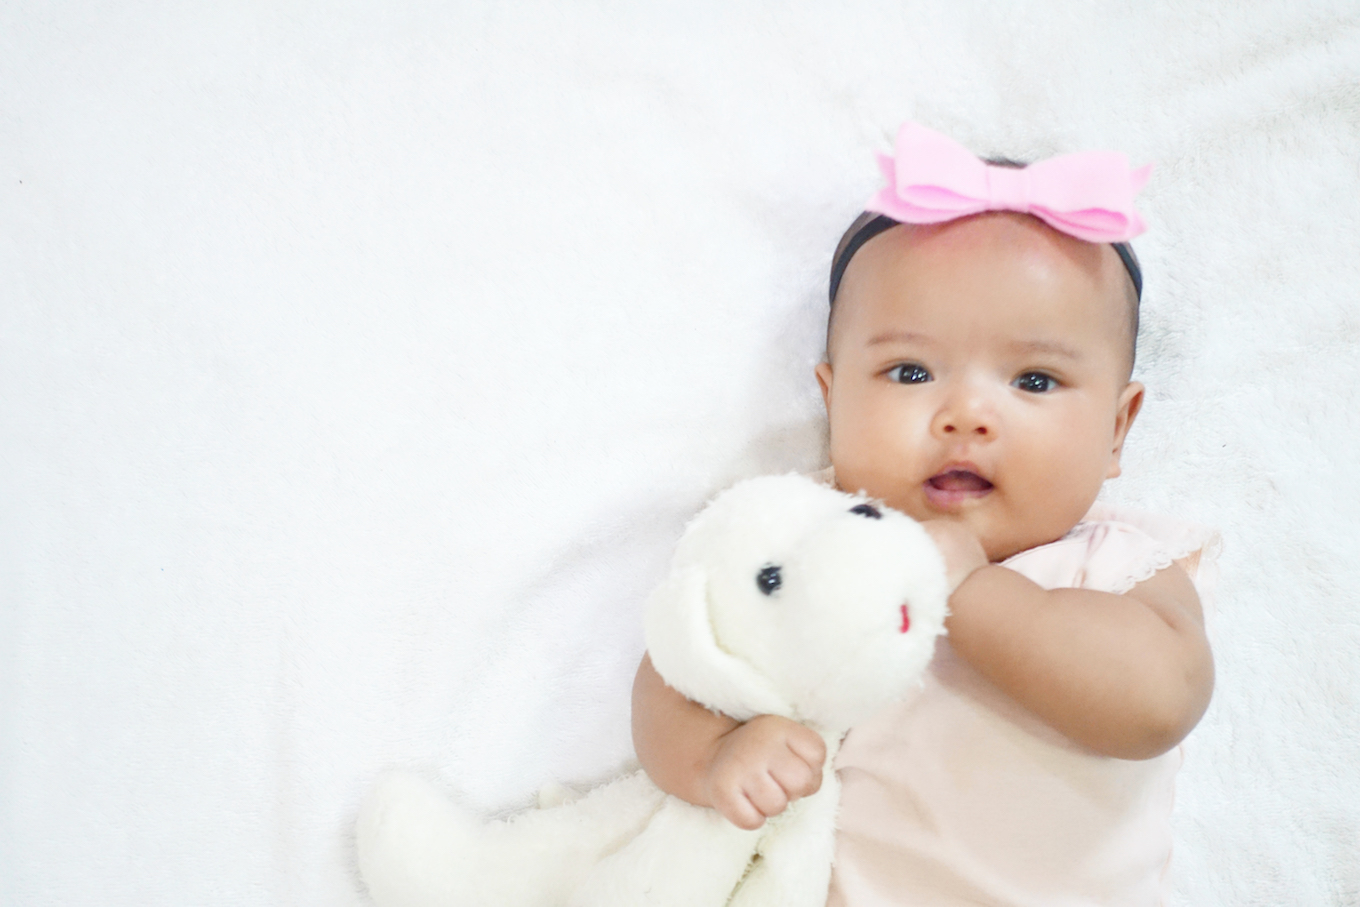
(978, 372)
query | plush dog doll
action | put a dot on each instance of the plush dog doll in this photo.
(784, 597)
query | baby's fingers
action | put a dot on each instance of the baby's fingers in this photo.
(767, 795)
(795, 775)
(737, 808)
(808, 746)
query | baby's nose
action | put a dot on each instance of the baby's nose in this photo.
(966, 415)
(966, 426)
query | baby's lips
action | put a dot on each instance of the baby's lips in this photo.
(959, 480)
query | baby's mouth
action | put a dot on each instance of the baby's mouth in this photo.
(954, 486)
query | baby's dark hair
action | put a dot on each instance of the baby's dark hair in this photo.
(869, 224)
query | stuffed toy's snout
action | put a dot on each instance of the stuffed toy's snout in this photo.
(784, 597)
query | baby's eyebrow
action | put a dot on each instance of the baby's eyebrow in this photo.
(898, 337)
(1046, 346)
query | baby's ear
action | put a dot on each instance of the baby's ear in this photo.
(823, 372)
(1130, 402)
(685, 652)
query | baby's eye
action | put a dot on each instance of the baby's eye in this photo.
(1035, 382)
(909, 373)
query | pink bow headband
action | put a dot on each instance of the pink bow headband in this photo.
(932, 178)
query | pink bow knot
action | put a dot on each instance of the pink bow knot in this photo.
(931, 179)
(1008, 189)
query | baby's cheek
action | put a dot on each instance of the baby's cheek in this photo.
(1060, 505)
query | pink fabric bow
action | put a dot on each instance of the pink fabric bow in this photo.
(933, 178)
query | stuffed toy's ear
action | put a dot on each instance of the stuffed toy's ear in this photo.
(690, 659)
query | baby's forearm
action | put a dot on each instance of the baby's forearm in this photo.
(1126, 675)
(674, 738)
(747, 771)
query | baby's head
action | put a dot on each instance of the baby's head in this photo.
(978, 370)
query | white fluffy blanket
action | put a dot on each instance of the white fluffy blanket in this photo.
(360, 362)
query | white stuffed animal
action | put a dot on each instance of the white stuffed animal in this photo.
(784, 597)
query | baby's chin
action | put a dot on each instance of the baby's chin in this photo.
(999, 542)
(1001, 545)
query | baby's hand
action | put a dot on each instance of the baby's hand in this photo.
(962, 551)
(760, 767)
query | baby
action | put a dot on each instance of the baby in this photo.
(977, 378)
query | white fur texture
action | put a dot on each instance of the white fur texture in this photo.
(361, 361)
(844, 624)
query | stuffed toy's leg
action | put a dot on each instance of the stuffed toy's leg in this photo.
(686, 857)
(418, 849)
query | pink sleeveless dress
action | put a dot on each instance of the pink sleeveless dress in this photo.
(960, 797)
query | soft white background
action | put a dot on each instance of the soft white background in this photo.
(359, 363)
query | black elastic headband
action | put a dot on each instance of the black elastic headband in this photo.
(876, 225)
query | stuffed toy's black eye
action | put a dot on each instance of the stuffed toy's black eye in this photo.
(868, 510)
(768, 580)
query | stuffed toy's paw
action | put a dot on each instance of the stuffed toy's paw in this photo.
(784, 597)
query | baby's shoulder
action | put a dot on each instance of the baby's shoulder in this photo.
(1114, 548)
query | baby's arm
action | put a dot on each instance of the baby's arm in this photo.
(747, 771)
(1126, 675)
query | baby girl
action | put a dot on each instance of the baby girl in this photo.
(977, 377)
